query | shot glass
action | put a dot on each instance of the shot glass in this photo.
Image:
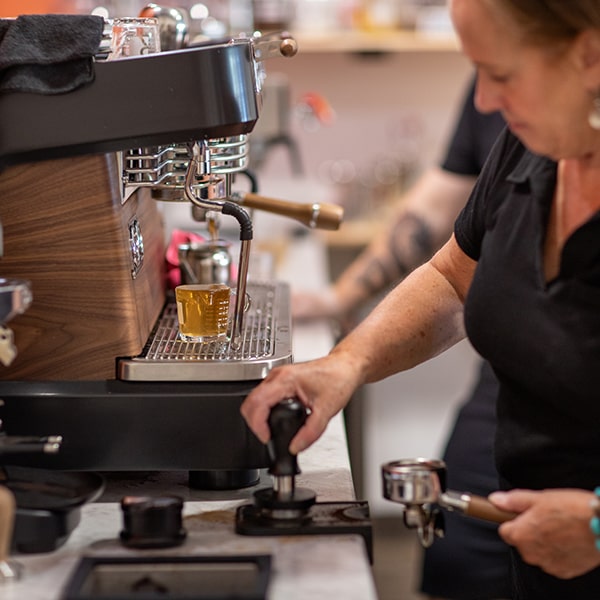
(132, 36)
(203, 311)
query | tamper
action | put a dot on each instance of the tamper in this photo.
(284, 500)
(152, 522)
(285, 509)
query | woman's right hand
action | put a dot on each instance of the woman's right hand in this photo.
(324, 386)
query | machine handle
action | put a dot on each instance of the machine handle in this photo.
(317, 216)
(275, 44)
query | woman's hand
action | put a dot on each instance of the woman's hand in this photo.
(324, 386)
(552, 530)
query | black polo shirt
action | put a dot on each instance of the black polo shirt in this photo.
(542, 339)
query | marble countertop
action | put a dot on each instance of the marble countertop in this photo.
(317, 567)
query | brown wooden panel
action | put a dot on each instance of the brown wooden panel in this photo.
(66, 231)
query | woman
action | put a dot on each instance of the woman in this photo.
(520, 275)
(470, 562)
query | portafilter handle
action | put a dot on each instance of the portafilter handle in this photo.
(474, 506)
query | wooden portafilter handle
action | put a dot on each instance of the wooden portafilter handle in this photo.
(8, 570)
(474, 506)
(313, 215)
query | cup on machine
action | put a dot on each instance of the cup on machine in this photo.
(203, 311)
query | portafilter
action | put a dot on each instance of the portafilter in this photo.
(419, 484)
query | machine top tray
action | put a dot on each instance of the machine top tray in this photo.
(266, 343)
(169, 97)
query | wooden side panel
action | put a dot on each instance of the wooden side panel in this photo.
(66, 231)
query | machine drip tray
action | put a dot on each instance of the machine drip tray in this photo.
(323, 518)
(265, 343)
(173, 577)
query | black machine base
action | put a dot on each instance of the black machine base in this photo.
(223, 479)
(323, 518)
(116, 425)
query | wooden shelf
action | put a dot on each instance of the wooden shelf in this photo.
(374, 42)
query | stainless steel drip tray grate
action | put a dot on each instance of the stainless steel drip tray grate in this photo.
(265, 344)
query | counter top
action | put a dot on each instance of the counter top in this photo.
(315, 567)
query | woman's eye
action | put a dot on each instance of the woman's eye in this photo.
(497, 78)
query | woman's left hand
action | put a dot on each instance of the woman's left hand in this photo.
(552, 530)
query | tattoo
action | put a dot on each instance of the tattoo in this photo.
(410, 245)
(374, 277)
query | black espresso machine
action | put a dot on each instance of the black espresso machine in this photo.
(99, 361)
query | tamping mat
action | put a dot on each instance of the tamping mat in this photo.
(323, 518)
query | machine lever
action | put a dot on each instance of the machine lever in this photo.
(314, 215)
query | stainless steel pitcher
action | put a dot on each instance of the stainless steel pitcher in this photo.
(208, 262)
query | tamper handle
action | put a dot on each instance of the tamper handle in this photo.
(285, 420)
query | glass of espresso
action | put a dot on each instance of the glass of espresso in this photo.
(202, 311)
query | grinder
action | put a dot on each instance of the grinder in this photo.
(285, 509)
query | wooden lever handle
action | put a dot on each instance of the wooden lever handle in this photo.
(7, 518)
(482, 508)
(9, 570)
(317, 216)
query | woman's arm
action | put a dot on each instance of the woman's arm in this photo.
(420, 225)
(420, 318)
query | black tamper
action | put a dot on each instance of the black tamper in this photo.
(152, 522)
(284, 500)
(285, 509)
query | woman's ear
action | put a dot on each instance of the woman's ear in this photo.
(587, 47)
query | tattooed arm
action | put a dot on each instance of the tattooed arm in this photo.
(422, 223)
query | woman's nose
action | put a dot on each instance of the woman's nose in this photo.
(486, 99)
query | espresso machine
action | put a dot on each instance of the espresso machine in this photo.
(98, 358)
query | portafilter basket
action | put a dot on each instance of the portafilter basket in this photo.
(419, 484)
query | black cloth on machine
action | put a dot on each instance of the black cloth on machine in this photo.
(48, 54)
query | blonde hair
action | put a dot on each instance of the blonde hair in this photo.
(549, 21)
